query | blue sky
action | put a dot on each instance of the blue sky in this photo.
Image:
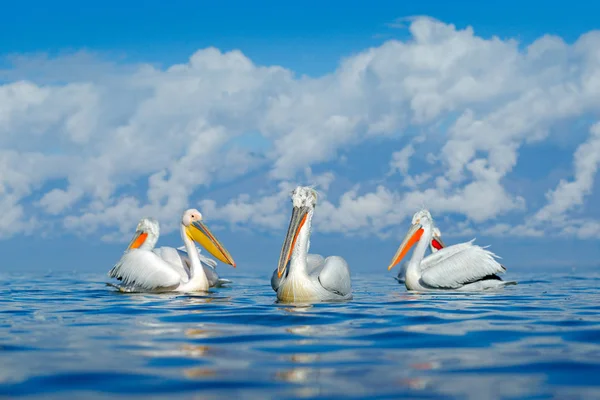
(93, 97)
(321, 32)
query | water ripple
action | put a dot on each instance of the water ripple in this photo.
(69, 335)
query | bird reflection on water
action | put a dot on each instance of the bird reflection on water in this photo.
(241, 343)
(307, 375)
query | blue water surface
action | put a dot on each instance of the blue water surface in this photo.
(71, 336)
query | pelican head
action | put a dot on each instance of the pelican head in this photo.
(436, 241)
(421, 218)
(146, 227)
(304, 196)
(304, 200)
(421, 214)
(197, 231)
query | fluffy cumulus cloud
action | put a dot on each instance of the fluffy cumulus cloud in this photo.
(89, 146)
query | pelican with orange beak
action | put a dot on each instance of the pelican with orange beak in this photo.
(302, 277)
(435, 245)
(463, 266)
(145, 269)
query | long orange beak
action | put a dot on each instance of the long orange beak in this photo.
(138, 239)
(299, 215)
(412, 236)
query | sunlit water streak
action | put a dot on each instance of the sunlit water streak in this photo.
(71, 336)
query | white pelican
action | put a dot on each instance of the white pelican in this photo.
(143, 268)
(145, 238)
(303, 277)
(435, 245)
(463, 266)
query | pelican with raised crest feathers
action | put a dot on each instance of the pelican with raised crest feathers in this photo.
(302, 277)
(463, 266)
(145, 269)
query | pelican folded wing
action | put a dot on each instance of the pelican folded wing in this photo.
(335, 276)
(145, 270)
(461, 268)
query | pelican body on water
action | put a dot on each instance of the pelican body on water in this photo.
(463, 266)
(145, 269)
(303, 277)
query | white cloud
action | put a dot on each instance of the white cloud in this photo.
(103, 144)
(11, 218)
(356, 212)
(57, 200)
(266, 212)
(401, 159)
(571, 194)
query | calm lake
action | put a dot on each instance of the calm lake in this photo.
(71, 336)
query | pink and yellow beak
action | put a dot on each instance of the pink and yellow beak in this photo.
(412, 237)
(199, 233)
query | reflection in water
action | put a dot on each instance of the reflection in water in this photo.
(310, 377)
(535, 339)
(305, 330)
(197, 333)
(415, 383)
(194, 351)
(304, 358)
(197, 373)
(426, 366)
(298, 308)
(408, 297)
(294, 374)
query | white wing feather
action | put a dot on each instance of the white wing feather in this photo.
(335, 276)
(443, 253)
(314, 261)
(457, 267)
(171, 255)
(145, 270)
